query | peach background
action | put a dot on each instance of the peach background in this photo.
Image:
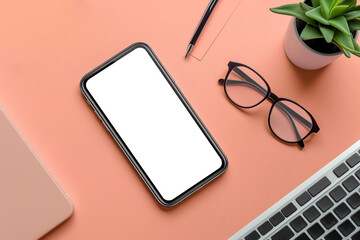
(47, 46)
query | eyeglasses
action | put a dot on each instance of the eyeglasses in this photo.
(287, 120)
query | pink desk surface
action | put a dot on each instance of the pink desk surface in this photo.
(47, 46)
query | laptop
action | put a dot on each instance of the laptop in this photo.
(31, 201)
(326, 206)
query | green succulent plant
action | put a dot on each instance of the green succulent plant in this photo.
(333, 20)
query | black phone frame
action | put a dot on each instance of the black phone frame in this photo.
(91, 101)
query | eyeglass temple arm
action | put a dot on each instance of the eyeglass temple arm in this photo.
(296, 115)
(263, 91)
(300, 142)
(245, 83)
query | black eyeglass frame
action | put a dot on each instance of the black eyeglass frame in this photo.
(273, 98)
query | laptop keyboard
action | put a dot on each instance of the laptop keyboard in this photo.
(329, 209)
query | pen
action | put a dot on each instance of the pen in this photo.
(201, 25)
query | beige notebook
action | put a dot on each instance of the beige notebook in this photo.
(31, 201)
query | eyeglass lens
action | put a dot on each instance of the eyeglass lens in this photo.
(289, 121)
(244, 87)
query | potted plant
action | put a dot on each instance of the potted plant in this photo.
(320, 31)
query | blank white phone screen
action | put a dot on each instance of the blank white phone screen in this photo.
(154, 124)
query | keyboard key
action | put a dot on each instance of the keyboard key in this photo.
(303, 198)
(284, 234)
(288, 210)
(298, 224)
(328, 221)
(334, 235)
(353, 160)
(303, 236)
(356, 218)
(324, 204)
(357, 173)
(341, 170)
(276, 219)
(350, 183)
(338, 193)
(342, 211)
(316, 231)
(252, 236)
(319, 186)
(354, 200)
(356, 236)
(265, 228)
(311, 214)
(346, 228)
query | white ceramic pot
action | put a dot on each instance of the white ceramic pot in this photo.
(301, 54)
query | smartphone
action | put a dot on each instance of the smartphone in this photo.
(153, 124)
